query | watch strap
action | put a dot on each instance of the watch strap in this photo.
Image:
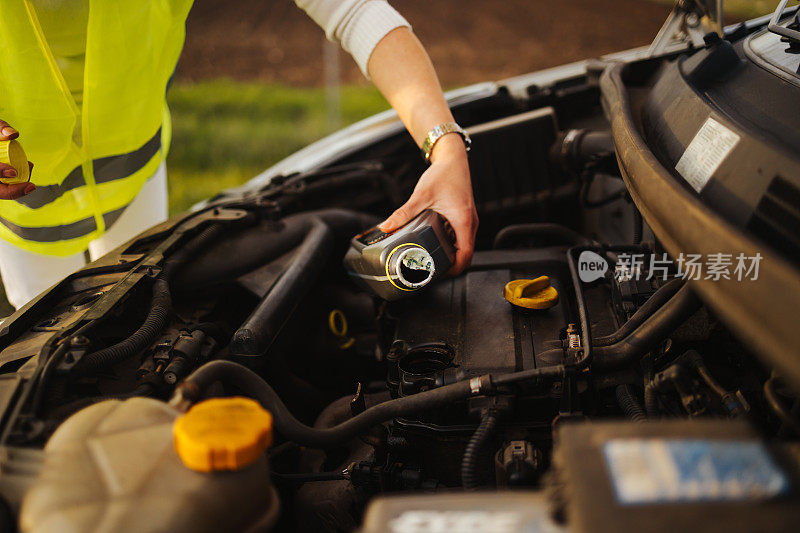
(439, 131)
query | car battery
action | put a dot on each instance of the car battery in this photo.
(668, 476)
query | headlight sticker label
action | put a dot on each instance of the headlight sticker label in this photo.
(709, 148)
(432, 521)
(662, 471)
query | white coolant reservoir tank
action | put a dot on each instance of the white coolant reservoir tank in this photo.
(113, 467)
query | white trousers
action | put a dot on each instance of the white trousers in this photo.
(26, 274)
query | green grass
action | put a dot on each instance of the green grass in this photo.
(225, 132)
(743, 9)
(749, 8)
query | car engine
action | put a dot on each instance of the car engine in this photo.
(644, 396)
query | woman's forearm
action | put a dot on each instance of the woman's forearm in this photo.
(402, 71)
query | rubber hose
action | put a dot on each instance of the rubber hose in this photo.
(659, 298)
(652, 331)
(309, 477)
(256, 335)
(290, 428)
(469, 463)
(576, 148)
(335, 413)
(593, 143)
(777, 408)
(555, 233)
(629, 404)
(548, 372)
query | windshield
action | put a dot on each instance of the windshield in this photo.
(712, 14)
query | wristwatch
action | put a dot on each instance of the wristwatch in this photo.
(439, 131)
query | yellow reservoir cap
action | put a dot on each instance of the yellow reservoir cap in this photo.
(531, 293)
(11, 153)
(222, 434)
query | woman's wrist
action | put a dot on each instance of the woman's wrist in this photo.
(448, 147)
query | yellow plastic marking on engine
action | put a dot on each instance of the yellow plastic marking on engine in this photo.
(11, 153)
(347, 343)
(531, 293)
(222, 434)
(337, 323)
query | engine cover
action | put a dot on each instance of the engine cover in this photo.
(464, 327)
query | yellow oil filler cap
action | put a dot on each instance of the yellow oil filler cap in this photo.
(11, 153)
(222, 434)
(531, 293)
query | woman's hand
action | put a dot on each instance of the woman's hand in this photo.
(17, 190)
(445, 188)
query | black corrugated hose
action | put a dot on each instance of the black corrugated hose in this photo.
(157, 316)
(651, 401)
(638, 226)
(469, 463)
(629, 404)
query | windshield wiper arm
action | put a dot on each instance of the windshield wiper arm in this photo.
(792, 31)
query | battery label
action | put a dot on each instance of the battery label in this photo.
(651, 471)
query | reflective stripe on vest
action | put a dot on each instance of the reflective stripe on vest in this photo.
(105, 169)
(63, 232)
(86, 179)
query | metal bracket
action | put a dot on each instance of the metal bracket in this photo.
(777, 28)
(689, 20)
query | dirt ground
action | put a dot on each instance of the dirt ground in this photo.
(468, 40)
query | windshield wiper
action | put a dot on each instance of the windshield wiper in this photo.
(790, 32)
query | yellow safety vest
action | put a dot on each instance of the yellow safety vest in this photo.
(83, 185)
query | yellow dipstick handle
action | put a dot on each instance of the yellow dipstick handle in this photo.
(11, 153)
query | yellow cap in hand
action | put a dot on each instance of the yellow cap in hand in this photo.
(222, 434)
(11, 153)
(531, 293)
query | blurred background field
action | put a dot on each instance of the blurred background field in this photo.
(250, 86)
(225, 131)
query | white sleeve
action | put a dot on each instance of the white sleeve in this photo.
(358, 25)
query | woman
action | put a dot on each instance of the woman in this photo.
(82, 85)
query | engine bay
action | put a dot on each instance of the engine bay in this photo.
(382, 408)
